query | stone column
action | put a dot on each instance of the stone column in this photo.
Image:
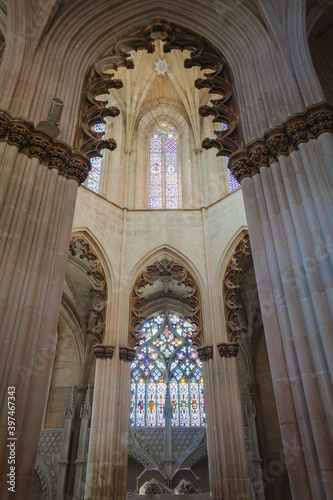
(227, 456)
(286, 179)
(38, 184)
(65, 446)
(108, 448)
(81, 459)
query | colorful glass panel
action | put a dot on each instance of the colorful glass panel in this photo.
(171, 172)
(133, 399)
(233, 183)
(163, 165)
(184, 418)
(161, 392)
(99, 127)
(166, 353)
(94, 174)
(173, 388)
(202, 404)
(194, 405)
(151, 405)
(156, 171)
(140, 403)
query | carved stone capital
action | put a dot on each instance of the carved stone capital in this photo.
(228, 350)
(240, 168)
(297, 132)
(258, 158)
(126, 354)
(39, 147)
(223, 350)
(320, 121)
(18, 134)
(108, 353)
(277, 145)
(38, 143)
(103, 351)
(233, 350)
(280, 140)
(205, 353)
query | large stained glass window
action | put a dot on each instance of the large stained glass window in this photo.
(164, 175)
(167, 373)
(94, 177)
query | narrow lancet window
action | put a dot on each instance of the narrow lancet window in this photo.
(164, 174)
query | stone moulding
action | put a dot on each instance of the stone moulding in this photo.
(103, 351)
(229, 350)
(36, 143)
(281, 140)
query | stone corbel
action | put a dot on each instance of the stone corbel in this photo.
(205, 353)
(103, 351)
(228, 350)
(126, 354)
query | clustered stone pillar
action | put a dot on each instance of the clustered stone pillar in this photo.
(108, 449)
(39, 178)
(286, 179)
(227, 456)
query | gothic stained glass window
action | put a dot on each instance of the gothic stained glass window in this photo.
(167, 372)
(94, 176)
(164, 175)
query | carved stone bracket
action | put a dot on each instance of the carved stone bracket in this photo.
(165, 270)
(230, 287)
(282, 140)
(205, 353)
(79, 247)
(126, 354)
(103, 351)
(93, 111)
(37, 143)
(229, 350)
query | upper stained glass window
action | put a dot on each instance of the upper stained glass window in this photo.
(163, 162)
(94, 177)
(167, 373)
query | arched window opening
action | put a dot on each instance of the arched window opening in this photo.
(94, 177)
(164, 174)
(166, 375)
